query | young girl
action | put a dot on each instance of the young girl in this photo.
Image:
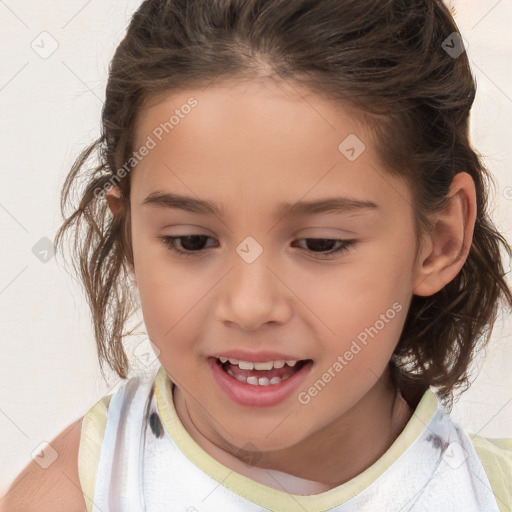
(288, 190)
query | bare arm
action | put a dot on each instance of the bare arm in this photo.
(55, 488)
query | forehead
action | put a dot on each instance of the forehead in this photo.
(238, 140)
(285, 106)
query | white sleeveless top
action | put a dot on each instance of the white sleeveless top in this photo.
(147, 461)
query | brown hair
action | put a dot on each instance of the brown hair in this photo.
(386, 59)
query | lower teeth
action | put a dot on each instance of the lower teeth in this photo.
(255, 381)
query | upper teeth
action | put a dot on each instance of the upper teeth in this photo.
(267, 365)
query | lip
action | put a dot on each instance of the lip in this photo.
(249, 395)
(256, 357)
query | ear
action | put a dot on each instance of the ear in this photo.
(445, 250)
(114, 199)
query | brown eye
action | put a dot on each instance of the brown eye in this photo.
(327, 246)
(195, 245)
(191, 244)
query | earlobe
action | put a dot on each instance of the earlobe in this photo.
(446, 248)
(114, 199)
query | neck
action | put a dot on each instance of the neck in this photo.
(323, 457)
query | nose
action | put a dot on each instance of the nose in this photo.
(252, 294)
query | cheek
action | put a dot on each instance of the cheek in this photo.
(357, 292)
(169, 303)
(167, 297)
(361, 305)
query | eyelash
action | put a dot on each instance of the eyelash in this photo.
(170, 243)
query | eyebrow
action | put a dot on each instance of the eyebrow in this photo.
(339, 204)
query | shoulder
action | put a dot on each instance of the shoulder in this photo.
(496, 458)
(55, 488)
(67, 482)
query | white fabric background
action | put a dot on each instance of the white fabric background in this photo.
(50, 109)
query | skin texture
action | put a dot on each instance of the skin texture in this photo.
(249, 147)
(56, 487)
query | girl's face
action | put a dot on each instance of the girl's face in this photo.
(253, 280)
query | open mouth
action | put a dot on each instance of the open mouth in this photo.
(271, 373)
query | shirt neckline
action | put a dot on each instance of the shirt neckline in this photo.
(269, 497)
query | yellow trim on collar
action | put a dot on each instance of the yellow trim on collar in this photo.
(91, 440)
(274, 499)
(496, 457)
